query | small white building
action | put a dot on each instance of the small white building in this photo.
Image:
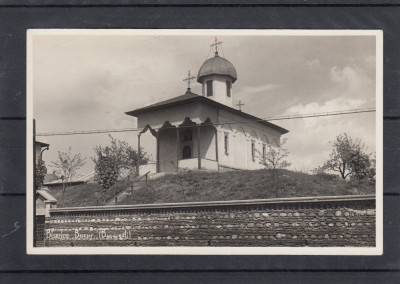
(204, 131)
(39, 148)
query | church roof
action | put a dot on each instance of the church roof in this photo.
(217, 66)
(192, 97)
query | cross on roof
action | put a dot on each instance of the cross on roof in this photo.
(188, 79)
(216, 43)
(240, 105)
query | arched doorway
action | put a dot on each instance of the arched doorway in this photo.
(187, 152)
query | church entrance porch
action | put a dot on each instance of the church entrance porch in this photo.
(187, 146)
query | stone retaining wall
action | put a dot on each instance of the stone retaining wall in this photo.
(325, 221)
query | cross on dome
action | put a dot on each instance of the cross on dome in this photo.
(188, 79)
(216, 43)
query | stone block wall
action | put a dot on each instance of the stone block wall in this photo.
(330, 222)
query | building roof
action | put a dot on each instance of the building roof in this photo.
(41, 144)
(79, 179)
(49, 177)
(47, 196)
(217, 66)
(190, 97)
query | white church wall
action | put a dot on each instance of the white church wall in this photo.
(175, 115)
(255, 130)
(241, 136)
(148, 143)
(151, 167)
(188, 164)
(167, 155)
(209, 165)
(207, 143)
(240, 133)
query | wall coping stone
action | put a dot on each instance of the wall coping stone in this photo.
(205, 204)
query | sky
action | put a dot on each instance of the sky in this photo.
(88, 82)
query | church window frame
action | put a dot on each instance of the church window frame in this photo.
(264, 151)
(186, 152)
(226, 143)
(187, 135)
(228, 88)
(253, 150)
(209, 88)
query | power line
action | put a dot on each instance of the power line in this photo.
(285, 117)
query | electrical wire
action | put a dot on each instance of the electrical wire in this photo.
(287, 117)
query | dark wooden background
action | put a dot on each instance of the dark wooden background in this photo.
(17, 16)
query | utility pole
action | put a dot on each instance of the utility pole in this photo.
(34, 182)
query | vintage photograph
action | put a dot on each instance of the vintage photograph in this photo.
(204, 142)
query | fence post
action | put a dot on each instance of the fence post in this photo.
(115, 194)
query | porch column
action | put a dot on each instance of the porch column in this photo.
(198, 147)
(158, 153)
(177, 148)
(216, 147)
(138, 162)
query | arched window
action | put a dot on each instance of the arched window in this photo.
(228, 88)
(187, 135)
(209, 88)
(226, 143)
(253, 150)
(264, 152)
(187, 152)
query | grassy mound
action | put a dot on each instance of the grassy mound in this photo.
(77, 195)
(212, 186)
(241, 185)
(87, 194)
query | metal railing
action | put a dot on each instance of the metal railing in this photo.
(118, 189)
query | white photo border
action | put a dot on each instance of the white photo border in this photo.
(377, 250)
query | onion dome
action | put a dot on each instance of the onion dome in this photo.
(217, 66)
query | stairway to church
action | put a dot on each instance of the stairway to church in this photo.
(126, 192)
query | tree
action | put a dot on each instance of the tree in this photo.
(111, 160)
(106, 172)
(275, 157)
(349, 158)
(41, 171)
(68, 164)
(362, 166)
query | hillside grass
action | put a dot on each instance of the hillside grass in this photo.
(194, 186)
(77, 195)
(241, 185)
(87, 194)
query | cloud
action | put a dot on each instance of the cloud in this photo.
(337, 104)
(309, 138)
(352, 76)
(314, 63)
(249, 90)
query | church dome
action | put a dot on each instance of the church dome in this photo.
(217, 66)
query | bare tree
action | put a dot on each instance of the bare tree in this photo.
(182, 179)
(68, 164)
(274, 158)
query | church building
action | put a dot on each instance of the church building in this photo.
(204, 131)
